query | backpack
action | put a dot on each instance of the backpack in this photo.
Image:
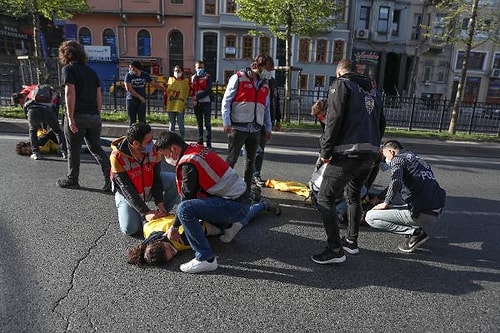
(42, 94)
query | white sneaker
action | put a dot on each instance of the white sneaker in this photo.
(36, 156)
(230, 232)
(195, 266)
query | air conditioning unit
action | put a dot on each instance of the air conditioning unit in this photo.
(495, 73)
(362, 33)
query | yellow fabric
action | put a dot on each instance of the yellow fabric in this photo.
(176, 95)
(163, 224)
(288, 186)
(49, 146)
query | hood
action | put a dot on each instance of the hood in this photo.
(121, 144)
(363, 80)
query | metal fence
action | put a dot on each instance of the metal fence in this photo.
(400, 112)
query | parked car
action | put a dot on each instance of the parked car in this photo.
(119, 87)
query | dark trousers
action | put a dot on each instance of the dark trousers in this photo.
(259, 156)
(37, 116)
(236, 140)
(89, 130)
(203, 112)
(136, 110)
(349, 174)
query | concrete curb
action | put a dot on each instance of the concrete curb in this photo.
(299, 139)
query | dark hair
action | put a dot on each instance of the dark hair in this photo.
(167, 139)
(262, 60)
(71, 51)
(393, 144)
(16, 98)
(20, 146)
(136, 64)
(137, 132)
(151, 253)
(199, 62)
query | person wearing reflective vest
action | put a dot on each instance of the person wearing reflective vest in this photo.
(210, 191)
(245, 109)
(137, 178)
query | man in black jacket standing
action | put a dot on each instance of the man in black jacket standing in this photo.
(350, 145)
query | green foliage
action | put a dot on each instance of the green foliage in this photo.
(301, 17)
(49, 9)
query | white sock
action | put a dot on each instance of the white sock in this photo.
(230, 232)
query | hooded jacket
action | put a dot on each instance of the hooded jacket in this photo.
(355, 120)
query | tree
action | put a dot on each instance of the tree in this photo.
(469, 23)
(50, 9)
(285, 18)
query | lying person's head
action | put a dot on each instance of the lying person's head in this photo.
(154, 250)
(23, 148)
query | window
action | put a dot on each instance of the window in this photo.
(108, 37)
(210, 7)
(415, 29)
(493, 93)
(175, 50)
(247, 52)
(143, 43)
(230, 49)
(265, 45)
(338, 50)
(230, 6)
(321, 45)
(475, 63)
(437, 28)
(304, 50)
(496, 60)
(427, 77)
(177, 2)
(442, 72)
(395, 23)
(85, 36)
(319, 81)
(383, 19)
(303, 81)
(341, 12)
(364, 17)
(227, 75)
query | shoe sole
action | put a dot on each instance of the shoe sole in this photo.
(331, 261)
(414, 247)
(350, 251)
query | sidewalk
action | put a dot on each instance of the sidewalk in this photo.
(299, 139)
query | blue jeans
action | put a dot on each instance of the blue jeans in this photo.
(254, 210)
(131, 220)
(135, 110)
(89, 130)
(176, 117)
(398, 220)
(349, 174)
(214, 210)
(203, 112)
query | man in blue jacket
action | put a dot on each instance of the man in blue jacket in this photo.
(419, 189)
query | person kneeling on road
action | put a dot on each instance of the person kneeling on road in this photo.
(421, 192)
(137, 178)
(210, 190)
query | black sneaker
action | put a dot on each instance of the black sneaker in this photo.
(412, 242)
(271, 206)
(329, 256)
(107, 185)
(68, 183)
(351, 248)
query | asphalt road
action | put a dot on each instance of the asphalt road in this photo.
(63, 269)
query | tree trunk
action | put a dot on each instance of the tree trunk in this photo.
(463, 69)
(288, 77)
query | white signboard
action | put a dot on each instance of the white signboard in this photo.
(98, 52)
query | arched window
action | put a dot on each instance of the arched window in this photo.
(143, 43)
(85, 36)
(108, 37)
(175, 50)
